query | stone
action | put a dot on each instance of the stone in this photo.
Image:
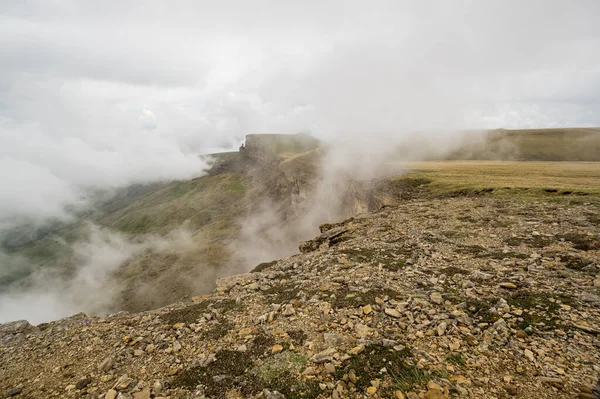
(367, 309)
(276, 349)
(357, 349)
(145, 394)
(332, 339)
(362, 330)
(511, 389)
(555, 382)
(441, 328)
(14, 391)
(111, 394)
(393, 313)
(107, 364)
(329, 368)
(123, 383)
(272, 395)
(82, 383)
(157, 387)
(399, 395)
(436, 298)
(371, 390)
(14, 327)
(323, 356)
(508, 286)
(529, 355)
(176, 346)
(177, 326)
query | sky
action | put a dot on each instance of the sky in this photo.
(104, 94)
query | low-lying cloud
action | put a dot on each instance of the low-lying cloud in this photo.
(85, 282)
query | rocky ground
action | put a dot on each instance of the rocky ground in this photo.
(461, 297)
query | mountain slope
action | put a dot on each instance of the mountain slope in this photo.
(471, 297)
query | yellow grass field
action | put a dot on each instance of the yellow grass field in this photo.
(511, 177)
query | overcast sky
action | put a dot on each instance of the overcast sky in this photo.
(105, 93)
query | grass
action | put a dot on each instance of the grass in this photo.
(563, 144)
(507, 178)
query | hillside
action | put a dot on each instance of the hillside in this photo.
(459, 297)
(257, 204)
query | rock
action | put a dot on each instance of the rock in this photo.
(14, 391)
(511, 389)
(529, 355)
(123, 383)
(272, 395)
(14, 327)
(371, 390)
(107, 364)
(357, 349)
(436, 298)
(508, 286)
(145, 394)
(157, 387)
(362, 330)
(324, 356)
(176, 346)
(393, 313)
(111, 394)
(329, 368)
(177, 326)
(332, 339)
(399, 395)
(441, 328)
(276, 349)
(367, 309)
(82, 383)
(555, 382)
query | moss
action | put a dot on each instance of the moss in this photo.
(481, 310)
(452, 270)
(503, 255)
(455, 234)
(583, 242)
(217, 330)
(540, 308)
(535, 242)
(471, 249)
(297, 336)
(229, 370)
(456, 358)
(345, 298)
(283, 293)
(593, 218)
(368, 366)
(190, 314)
(575, 262)
(261, 345)
(388, 259)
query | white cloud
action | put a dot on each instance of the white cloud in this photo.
(104, 94)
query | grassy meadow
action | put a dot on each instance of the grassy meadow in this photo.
(548, 180)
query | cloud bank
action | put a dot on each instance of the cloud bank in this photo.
(105, 94)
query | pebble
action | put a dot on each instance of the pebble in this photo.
(111, 394)
(276, 349)
(436, 298)
(509, 286)
(393, 313)
(324, 356)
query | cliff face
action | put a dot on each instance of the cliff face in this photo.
(460, 297)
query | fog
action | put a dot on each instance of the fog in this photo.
(97, 96)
